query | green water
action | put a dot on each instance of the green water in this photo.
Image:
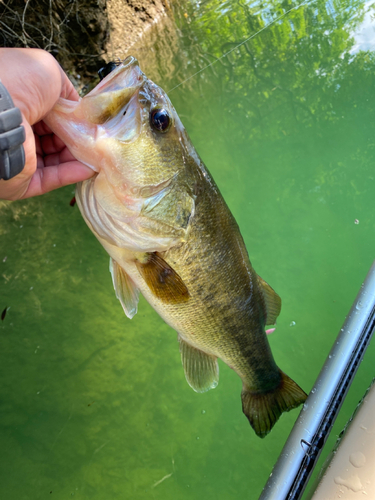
(96, 406)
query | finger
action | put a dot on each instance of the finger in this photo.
(58, 158)
(31, 93)
(51, 144)
(38, 146)
(41, 128)
(50, 178)
(68, 91)
(39, 161)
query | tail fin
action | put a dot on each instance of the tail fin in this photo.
(264, 409)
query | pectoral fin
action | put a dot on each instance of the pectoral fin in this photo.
(201, 369)
(162, 280)
(272, 301)
(126, 291)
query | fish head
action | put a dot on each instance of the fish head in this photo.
(127, 130)
(125, 127)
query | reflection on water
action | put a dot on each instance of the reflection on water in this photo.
(93, 405)
(364, 35)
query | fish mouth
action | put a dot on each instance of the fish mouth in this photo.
(78, 123)
(112, 93)
(127, 75)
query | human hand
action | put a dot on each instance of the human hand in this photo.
(35, 82)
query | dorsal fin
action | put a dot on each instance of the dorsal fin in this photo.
(162, 280)
(272, 301)
(201, 369)
(126, 291)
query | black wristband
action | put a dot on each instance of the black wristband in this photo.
(12, 136)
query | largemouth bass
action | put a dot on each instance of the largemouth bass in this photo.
(160, 216)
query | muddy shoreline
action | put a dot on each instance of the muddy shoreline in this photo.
(82, 34)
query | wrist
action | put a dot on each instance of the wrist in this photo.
(12, 137)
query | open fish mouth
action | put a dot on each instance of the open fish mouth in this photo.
(111, 109)
(125, 74)
(112, 94)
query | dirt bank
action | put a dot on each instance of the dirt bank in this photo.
(81, 34)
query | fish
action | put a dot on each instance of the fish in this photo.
(157, 211)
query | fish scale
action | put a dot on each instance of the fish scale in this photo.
(155, 208)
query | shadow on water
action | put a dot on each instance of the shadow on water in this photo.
(93, 405)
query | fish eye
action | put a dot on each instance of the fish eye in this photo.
(107, 69)
(160, 120)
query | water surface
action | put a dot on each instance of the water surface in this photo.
(96, 406)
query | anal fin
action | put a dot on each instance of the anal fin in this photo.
(201, 369)
(126, 291)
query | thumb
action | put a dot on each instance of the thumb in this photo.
(35, 80)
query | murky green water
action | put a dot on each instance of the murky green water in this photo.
(96, 406)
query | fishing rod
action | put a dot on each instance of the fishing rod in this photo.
(298, 458)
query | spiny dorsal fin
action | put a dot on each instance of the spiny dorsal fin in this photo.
(162, 280)
(264, 409)
(126, 291)
(272, 300)
(201, 369)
